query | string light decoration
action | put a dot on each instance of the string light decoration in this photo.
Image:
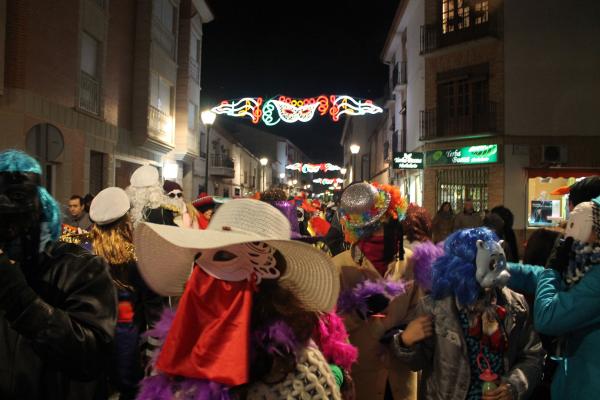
(245, 107)
(289, 110)
(328, 181)
(312, 168)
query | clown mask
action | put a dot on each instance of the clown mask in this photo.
(491, 265)
(580, 222)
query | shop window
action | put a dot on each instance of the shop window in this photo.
(544, 208)
(456, 185)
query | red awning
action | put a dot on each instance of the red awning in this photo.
(561, 172)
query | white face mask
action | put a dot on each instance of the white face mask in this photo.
(240, 262)
(491, 264)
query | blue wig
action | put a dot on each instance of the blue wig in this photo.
(17, 161)
(454, 272)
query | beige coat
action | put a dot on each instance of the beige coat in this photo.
(376, 365)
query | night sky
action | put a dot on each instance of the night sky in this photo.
(297, 49)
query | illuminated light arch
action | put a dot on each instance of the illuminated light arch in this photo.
(328, 181)
(312, 168)
(290, 110)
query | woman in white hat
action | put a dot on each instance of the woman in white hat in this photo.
(251, 303)
(139, 307)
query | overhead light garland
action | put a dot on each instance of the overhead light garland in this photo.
(328, 181)
(312, 168)
(290, 110)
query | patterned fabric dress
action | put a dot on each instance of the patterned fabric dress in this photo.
(478, 342)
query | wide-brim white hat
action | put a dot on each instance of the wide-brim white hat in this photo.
(166, 253)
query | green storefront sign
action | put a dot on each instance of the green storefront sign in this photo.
(482, 154)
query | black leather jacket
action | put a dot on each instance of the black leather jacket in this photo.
(59, 346)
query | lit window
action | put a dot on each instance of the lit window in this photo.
(161, 93)
(481, 12)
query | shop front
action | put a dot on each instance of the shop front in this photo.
(410, 167)
(547, 202)
(463, 173)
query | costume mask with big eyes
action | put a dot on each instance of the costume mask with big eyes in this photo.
(491, 264)
(236, 263)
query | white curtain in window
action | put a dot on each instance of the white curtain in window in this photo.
(164, 96)
(89, 54)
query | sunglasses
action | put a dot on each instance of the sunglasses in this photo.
(173, 195)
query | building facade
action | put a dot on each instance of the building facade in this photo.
(96, 88)
(497, 102)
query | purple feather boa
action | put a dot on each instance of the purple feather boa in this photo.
(161, 387)
(423, 256)
(276, 338)
(355, 299)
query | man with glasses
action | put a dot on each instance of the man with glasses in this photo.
(175, 201)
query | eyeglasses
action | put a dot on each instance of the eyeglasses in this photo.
(173, 195)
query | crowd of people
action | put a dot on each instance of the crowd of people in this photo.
(143, 294)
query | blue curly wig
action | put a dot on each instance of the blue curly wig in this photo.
(454, 272)
(17, 161)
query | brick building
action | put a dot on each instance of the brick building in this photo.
(507, 107)
(96, 88)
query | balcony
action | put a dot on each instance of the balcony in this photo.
(435, 126)
(221, 165)
(89, 94)
(160, 125)
(432, 37)
(399, 74)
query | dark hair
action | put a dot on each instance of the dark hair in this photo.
(392, 240)
(273, 194)
(539, 246)
(584, 190)
(441, 209)
(77, 197)
(507, 232)
(417, 224)
(271, 303)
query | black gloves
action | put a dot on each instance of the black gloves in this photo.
(15, 293)
(559, 258)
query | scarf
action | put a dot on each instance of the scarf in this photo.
(583, 256)
(372, 248)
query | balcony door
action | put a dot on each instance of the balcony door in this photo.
(463, 105)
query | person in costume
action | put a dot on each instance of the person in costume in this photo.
(566, 302)
(473, 338)
(373, 298)
(205, 207)
(246, 324)
(174, 192)
(57, 301)
(139, 307)
(148, 200)
(416, 226)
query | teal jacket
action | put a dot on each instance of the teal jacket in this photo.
(574, 314)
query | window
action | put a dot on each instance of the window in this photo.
(89, 55)
(164, 11)
(455, 185)
(192, 116)
(161, 93)
(195, 49)
(462, 14)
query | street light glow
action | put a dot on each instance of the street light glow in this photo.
(354, 148)
(264, 161)
(295, 181)
(343, 171)
(282, 175)
(208, 117)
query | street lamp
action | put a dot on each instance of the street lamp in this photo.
(343, 171)
(295, 182)
(263, 162)
(208, 118)
(354, 149)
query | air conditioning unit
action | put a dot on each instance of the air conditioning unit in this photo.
(552, 154)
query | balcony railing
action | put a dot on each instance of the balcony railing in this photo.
(434, 125)
(160, 123)
(89, 94)
(194, 71)
(432, 37)
(220, 165)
